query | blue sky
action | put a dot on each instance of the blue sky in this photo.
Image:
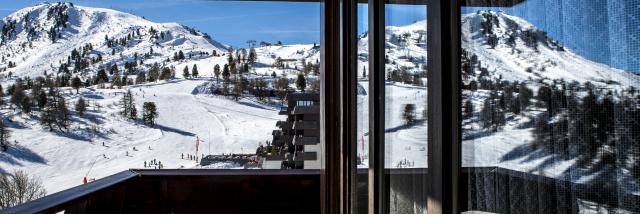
(235, 23)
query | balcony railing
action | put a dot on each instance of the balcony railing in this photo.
(488, 189)
(302, 140)
(306, 110)
(283, 111)
(284, 124)
(305, 125)
(188, 191)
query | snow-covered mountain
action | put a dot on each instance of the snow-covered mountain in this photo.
(41, 38)
(507, 47)
(513, 49)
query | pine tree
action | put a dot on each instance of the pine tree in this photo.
(5, 134)
(1, 96)
(492, 116)
(253, 56)
(154, 72)
(468, 109)
(127, 105)
(216, 72)
(26, 104)
(41, 99)
(141, 78)
(166, 73)
(18, 93)
(524, 96)
(409, 114)
(194, 71)
(76, 83)
(134, 112)
(225, 73)
(185, 72)
(149, 113)
(301, 82)
(102, 76)
(81, 106)
(364, 72)
(180, 55)
(230, 60)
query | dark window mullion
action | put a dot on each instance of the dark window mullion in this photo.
(349, 44)
(330, 107)
(377, 188)
(443, 47)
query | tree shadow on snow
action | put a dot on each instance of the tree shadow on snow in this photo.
(18, 152)
(405, 126)
(591, 168)
(11, 123)
(73, 135)
(174, 130)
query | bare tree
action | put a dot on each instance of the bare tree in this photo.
(18, 188)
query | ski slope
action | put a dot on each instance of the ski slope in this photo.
(63, 159)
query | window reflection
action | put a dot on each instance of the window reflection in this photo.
(550, 105)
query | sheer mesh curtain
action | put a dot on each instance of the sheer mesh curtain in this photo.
(551, 116)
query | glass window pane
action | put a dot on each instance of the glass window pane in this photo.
(362, 141)
(92, 88)
(550, 112)
(405, 107)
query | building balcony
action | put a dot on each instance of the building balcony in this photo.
(305, 156)
(305, 125)
(284, 125)
(306, 110)
(278, 142)
(283, 111)
(302, 140)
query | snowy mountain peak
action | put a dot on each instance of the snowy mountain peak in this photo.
(42, 37)
(510, 48)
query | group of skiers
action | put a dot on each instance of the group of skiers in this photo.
(189, 156)
(155, 163)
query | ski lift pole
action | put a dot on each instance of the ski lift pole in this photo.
(197, 145)
(88, 171)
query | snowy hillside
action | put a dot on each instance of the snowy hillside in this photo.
(63, 158)
(515, 50)
(41, 38)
